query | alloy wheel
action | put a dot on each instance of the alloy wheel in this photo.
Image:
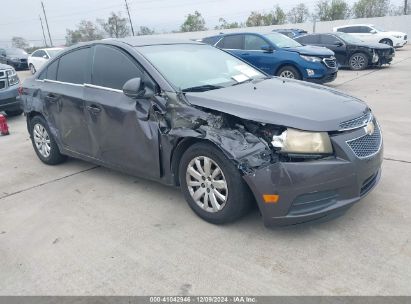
(357, 62)
(42, 140)
(287, 74)
(207, 184)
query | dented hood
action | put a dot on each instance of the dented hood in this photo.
(288, 103)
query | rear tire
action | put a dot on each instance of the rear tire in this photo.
(387, 41)
(289, 71)
(13, 113)
(43, 142)
(358, 61)
(32, 69)
(212, 185)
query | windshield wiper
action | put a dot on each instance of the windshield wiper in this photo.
(202, 88)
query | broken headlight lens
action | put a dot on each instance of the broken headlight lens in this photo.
(303, 142)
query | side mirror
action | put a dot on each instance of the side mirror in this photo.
(45, 57)
(134, 88)
(338, 43)
(267, 48)
(373, 32)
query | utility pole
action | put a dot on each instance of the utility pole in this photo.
(42, 28)
(129, 18)
(47, 24)
(405, 7)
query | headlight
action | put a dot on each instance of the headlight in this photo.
(311, 58)
(12, 76)
(397, 36)
(295, 141)
(14, 59)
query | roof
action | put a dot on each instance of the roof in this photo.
(356, 24)
(152, 40)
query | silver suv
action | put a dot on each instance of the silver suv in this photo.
(9, 83)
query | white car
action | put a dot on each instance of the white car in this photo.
(375, 34)
(40, 57)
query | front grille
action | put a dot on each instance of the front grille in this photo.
(23, 60)
(368, 184)
(2, 84)
(356, 122)
(330, 62)
(405, 37)
(367, 145)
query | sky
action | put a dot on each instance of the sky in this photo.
(21, 17)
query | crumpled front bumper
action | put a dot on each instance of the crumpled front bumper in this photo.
(312, 190)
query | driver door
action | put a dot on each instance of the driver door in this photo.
(122, 135)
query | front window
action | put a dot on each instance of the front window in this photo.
(192, 67)
(282, 41)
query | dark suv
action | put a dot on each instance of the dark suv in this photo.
(17, 58)
(188, 114)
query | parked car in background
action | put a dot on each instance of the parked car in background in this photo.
(292, 33)
(350, 51)
(17, 58)
(40, 57)
(187, 114)
(279, 55)
(9, 83)
(374, 34)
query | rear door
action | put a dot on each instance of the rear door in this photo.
(63, 94)
(233, 44)
(122, 134)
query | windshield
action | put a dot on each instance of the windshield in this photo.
(282, 41)
(53, 53)
(196, 68)
(16, 52)
(380, 29)
(348, 38)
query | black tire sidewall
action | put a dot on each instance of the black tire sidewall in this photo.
(365, 61)
(12, 113)
(55, 157)
(239, 198)
(292, 69)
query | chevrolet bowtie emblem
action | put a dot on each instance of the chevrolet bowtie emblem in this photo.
(369, 128)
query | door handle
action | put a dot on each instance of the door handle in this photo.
(51, 98)
(94, 109)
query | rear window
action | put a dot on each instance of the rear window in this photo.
(74, 67)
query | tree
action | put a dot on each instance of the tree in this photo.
(371, 8)
(193, 23)
(86, 31)
(328, 10)
(19, 42)
(115, 26)
(273, 17)
(144, 30)
(298, 14)
(225, 25)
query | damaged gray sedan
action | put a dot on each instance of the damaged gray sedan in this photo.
(190, 115)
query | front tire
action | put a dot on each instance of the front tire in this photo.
(32, 69)
(289, 71)
(387, 42)
(43, 142)
(358, 61)
(212, 185)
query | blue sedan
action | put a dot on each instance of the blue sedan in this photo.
(279, 55)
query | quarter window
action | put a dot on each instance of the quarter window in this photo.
(74, 67)
(253, 42)
(112, 68)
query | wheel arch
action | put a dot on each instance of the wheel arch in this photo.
(288, 63)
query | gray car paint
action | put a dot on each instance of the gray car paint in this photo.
(146, 137)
